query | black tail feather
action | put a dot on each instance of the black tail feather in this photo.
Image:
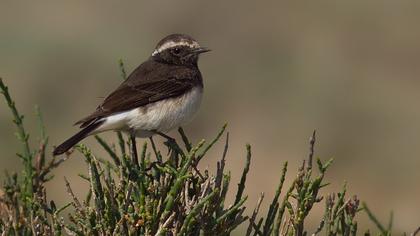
(69, 143)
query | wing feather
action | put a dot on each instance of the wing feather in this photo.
(150, 82)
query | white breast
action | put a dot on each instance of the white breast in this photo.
(161, 116)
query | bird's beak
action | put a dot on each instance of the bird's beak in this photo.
(201, 50)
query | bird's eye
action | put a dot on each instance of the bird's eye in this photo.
(176, 51)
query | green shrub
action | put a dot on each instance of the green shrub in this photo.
(150, 193)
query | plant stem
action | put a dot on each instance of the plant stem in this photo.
(22, 135)
(134, 155)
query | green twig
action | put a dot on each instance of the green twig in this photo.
(122, 69)
(276, 229)
(109, 150)
(207, 148)
(22, 135)
(241, 185)
(170, 199)
(373, 218)
(193, 213)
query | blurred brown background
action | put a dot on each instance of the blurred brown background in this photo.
(278, 70)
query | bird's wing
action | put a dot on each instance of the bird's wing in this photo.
(147, 84)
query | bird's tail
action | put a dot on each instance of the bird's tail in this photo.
(69, 143)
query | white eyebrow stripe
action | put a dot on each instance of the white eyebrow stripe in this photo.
(172, 44)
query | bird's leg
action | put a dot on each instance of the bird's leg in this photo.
(170, 142)
(173, 148)
(169, 138)
(157, 153)
(158, 161)
(134, 156)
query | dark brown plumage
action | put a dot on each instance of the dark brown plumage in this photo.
(170, 73)
(152, 81)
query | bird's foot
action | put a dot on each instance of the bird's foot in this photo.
(170, 142)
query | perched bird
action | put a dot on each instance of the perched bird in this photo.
(161, 94)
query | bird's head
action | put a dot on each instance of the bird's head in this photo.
(178, 49)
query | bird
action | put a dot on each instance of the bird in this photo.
(161, 94)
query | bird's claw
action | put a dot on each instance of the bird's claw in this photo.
(170, 143)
